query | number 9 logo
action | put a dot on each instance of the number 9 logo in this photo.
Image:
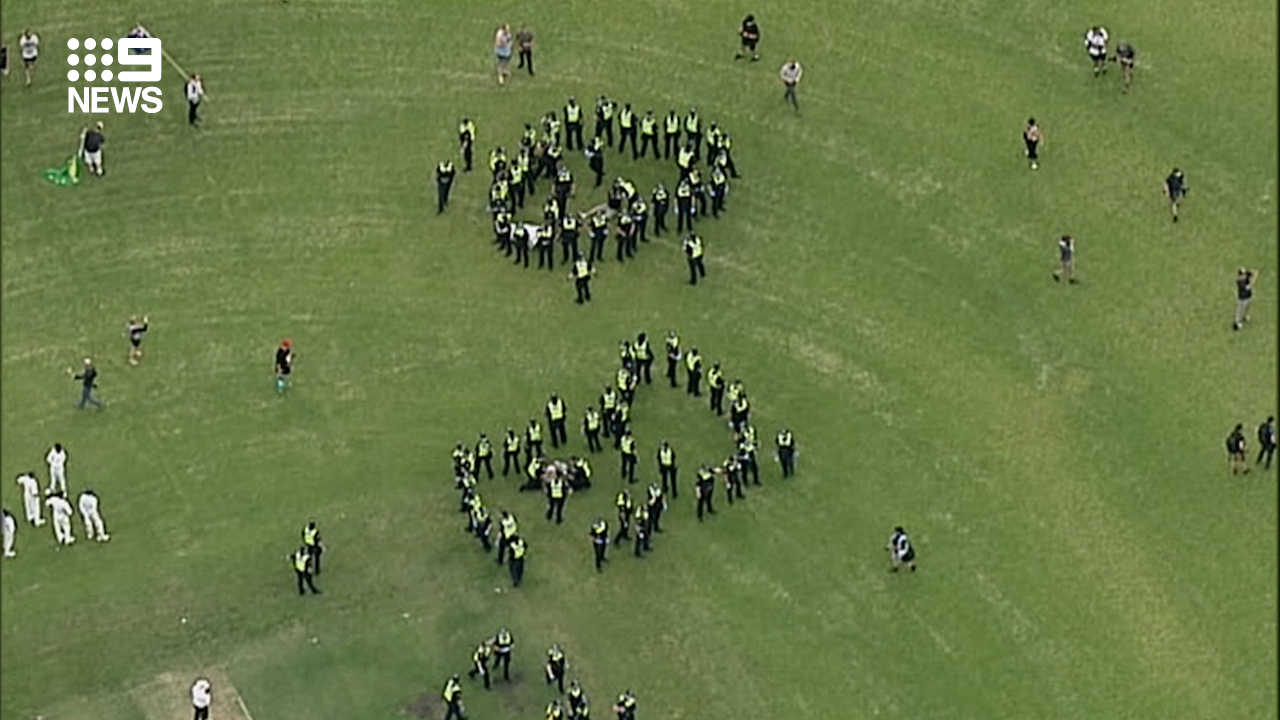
(151, 60)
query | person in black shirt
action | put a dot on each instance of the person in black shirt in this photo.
(1244, 295)
(1125, 54)
(1031, 137)
(134, 331)
(1267, 441)
(1236, 451)
(444, 182)
(595, 158)
(91, 148)
(89, 382)
(467, 141)
(600, 542)
(284, 364)
(750, 34)
(1175, 188)
(661, 206)
(604, 119)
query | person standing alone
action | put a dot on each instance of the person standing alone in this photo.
(524, 43)
(1031, 137)
(750, 35)
(195, 93)
(89, 382)
(201, 698)
(284, 364)
(134, 331)
(1244, 296)
(791, 73)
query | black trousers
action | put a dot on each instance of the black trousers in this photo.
(668, 473)
(503, 543)
(647, 141)
(609, 420)
(467, 154)
(642, 541)
(717, 399)
(622, 141)
(557, 432)
(192, 107)
(787, 458)
(695, 383)
(597, 247)
(510, 459)
(655, 517)
(482, 670)
(704, 501)
(624, 527)
(555, 508)
(597, 166)
(522, 251)
(659, 219)
(316, 551)
(573, 136)
(696, 270)
(1266, 453)
(593, 439)
(442, 195)
(526, 60)
(454, 710)
(202, 713)
(696, 140)
(482, 533)
(671, 142)
(717, 201)
(546, 253)
(485, 461)
(749, 464)
(672, 364)
(304, 577)
(646, 371)
(604, 128)
(517, 193)
(684, 215)
(517, 576)
(629, 467)
(599, 547)
(583, 286)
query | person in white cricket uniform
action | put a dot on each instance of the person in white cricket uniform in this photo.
(57, 459)
(201, 697)
(30, 46)
(31, 497)
(10, 527)
(93, 526)
(1095, 43)
(195, 93)
(62, 512)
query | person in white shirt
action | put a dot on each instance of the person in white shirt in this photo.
(93, 525)
(790, 74)
(1095, 43)
(61, 511)
(57, 459)
(31, 497)
(195, 93)
(30, 46)
(201, 697)
(10, 527)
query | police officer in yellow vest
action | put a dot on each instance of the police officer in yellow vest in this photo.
(452, 696)
(693, 131)
(573, 124)
(518, 549)
(301, 560)
(555, 419)
(673, 356)
(627, 446)
(644, 358)
(627, 129)
(786, 452)
(649, 135)
(608, 408)
(715, 381)
(533, 440)
(685, 158)
(557, 492)
(507, 529)
(591, 428)
(693, 366)
(667, 469)
(684, 206)
(581, 277)
(604, 119)
(311, 541)
(661, 205)
(444, 182)
(693, 251)
(510, 452)
(671, 134)
(484, 455)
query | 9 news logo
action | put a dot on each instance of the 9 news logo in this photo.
(90, 99)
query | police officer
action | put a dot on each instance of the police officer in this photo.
(568, 238)
(502, 645)
(510, 452)
(627, 446)
(699, 191)
(556, 666)
(533, 440)
(481, 523)
(595, 158)
(563, 190)
(621, 422)
(312, 542)
(466, 142)
(732, 470)
(507, 530)
(591, 422)
(600, 542)
(480, 662)
(532, 475)
(656, 504)
(573, 124)
(609, 408)
(575, 697)
(705, 488)
(661, 205)
(644, 359)
(719, 190)
(671, 135)
(739, 411)
(626, 706)
(546, 245)
(693, 251)
(726, 151)
(515, 178)
(579, 473)
(627, 129)
(667, 468)
(555, 710)
(452, 695)
(555, 420)
(640, 216)
(649, 134)
(626, 237)
(604, 119)
(599, 233)
(444, 182)
(502, 232)
(747, 454)
(466, 482)
(673, 356)
(643, 532)
(786, 443)
(520, 241)
(625, 507)
(301, 560)
(581, 276)
(693, 131)
(684, 205)
(715, 381)
(557, 492)
(518, 549)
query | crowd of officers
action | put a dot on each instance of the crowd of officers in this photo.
(497, 650)
(638, 518)
(629, 214)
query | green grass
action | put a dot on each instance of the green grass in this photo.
(881, 283)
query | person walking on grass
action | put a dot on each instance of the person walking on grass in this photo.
(1237, 451)
(502, 52)
(1031, 137)
(284, 364)
(791, 73)
(1175, 188)
(1245, 279)
(1066, 260)
(134, 330)
(1266, 442)
(88, 378)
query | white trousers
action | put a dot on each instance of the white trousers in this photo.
(62, 529)
(8, 542)
(93, 526)
(31, 503)
(57, 479)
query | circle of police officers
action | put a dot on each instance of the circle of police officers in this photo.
(628, 215)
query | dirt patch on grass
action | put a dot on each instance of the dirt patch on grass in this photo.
(426, 706)
(169, 696)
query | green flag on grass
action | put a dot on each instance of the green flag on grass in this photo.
(66, 175)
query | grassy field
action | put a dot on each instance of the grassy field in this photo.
(881, 283)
